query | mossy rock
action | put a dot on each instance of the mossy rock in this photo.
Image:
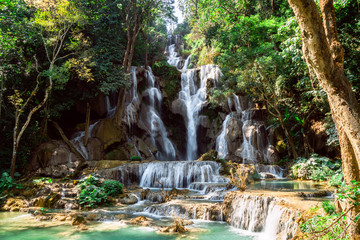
(117, 154)
(108, 133)
(209, 156)
(170, 80)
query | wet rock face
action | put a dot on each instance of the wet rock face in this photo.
(53, 159)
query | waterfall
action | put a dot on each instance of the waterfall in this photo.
(180, 174)
(157, 127)
(274, 170)
(187, 62)
(110, 111)
(174, 58)
(254, 145)
(263, 214)
(249, 152)
(172, 174)
(221, 143)
(78, 141)
(192, 95)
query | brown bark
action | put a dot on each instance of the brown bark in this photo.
(19, 110)
(87, 124)
(324, 53)
(289, 139)
(67, 141)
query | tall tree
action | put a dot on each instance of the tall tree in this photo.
(325, 55)
(138, 14)
(54, 20)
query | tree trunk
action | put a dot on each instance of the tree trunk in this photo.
(289, 139)
(131, 54)
(126, 57)
(1, 90)
(86, 138)
(67, 141)
(324, 53)
(15, 144)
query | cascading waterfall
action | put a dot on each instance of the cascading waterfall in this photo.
(221, 142)
(157, 127)
(187, 62)
(262, 214)
(174, 58)
(254, 138)
(180, 174)
(193, 97)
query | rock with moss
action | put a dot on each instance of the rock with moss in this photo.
(209, 156)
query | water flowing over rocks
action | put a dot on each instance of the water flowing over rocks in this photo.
(258, 213)
(177, 174)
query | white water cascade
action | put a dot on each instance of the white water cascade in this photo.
(78, 141)
(193, 96)
(180, 174)
(157, 127)
(221, 143)
(263, 214)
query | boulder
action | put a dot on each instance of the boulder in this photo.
(45, 201)
(93, 217)
(209, 156)
(107, 132)
(129, 199)
(141, 221)
(178, 107)
(77, 220)
(14, 204)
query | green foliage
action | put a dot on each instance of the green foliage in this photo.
(42, 211)
(91, 193)
(350, 193)
(318, 223)
(172, 78)
(329, 207)
(112, 188)
(315, 168)
(336, 180)
(135, 158)
(6, 182)
(95, 192)
(42, 180)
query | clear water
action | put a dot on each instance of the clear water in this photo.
(285, 185)
(19, 226)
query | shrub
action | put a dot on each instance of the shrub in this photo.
(6, 182)
(319, 223)
(336, 180)
(91, 193)
(94, 192)
(315, 168)
(91, 196)
(329, 207)
(112, 187)
(135, 158)
(42, 180)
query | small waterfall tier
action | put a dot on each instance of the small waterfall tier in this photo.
(173, 174)
(180, 174)
(260, 214)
